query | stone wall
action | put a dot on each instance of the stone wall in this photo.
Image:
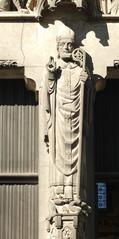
(31, 44)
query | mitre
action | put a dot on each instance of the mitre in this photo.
(65, 33)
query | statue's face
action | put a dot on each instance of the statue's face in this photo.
(65, 48)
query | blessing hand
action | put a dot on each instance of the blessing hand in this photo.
(51, 65)
(51, 69)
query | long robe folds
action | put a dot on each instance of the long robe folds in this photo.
(62, 105)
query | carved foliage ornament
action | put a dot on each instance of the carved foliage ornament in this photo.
(67, 233)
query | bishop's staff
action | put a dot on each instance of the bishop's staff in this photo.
(79, 56)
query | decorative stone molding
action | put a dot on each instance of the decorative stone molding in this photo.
(69, 226)
(9, 69)
(8, 63)
(92, 8)
(53, 4)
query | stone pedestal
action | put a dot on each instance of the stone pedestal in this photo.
(68, 226)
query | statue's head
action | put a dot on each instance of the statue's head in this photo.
(65, 43)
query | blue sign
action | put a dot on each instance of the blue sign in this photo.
(102, 195)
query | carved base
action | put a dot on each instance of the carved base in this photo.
(70, 226)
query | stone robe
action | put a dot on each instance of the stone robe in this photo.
(115, 7)
(62, 106)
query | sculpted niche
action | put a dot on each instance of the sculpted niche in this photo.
(64, 81)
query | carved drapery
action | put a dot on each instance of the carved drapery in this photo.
(64, 82)
(106, 7)
(26, 6)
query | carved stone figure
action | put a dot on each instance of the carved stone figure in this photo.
(107, 7)
(5, 5)
(63, 96)
(114, 10)
(64, 81)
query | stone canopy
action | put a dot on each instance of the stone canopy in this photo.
(87, 6)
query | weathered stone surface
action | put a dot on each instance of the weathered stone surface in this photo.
(63, 94)
(30, 44)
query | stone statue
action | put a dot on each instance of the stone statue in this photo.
(106, 7)
(114, 10)
(63, 100)
(5, 5)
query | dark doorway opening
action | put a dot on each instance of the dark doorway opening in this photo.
(106, 140)
(18, 161)
(107, 219)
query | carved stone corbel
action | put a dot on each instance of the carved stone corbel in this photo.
(69, 225)
(52, 4)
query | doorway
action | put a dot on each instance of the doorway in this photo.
(106, 141)
(107, 218)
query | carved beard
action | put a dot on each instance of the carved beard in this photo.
(65, 55)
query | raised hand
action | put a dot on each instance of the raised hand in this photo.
(51, 65)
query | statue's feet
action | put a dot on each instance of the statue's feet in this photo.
(23, 10)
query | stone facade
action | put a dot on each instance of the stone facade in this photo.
(28, 37)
